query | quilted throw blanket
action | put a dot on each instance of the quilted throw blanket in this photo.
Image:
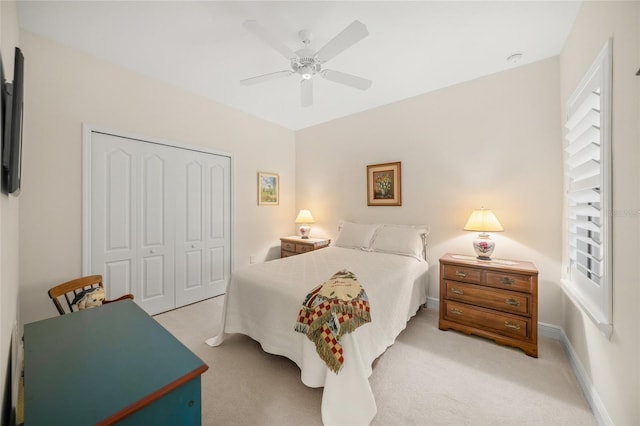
(332, 309)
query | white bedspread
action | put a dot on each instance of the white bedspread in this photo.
(263, 301)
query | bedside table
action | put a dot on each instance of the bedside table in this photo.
(495, 299)
(290, 246)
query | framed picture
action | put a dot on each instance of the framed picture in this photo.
(384, 185)
(268, 189)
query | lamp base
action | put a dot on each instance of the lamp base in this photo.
(483, 246)
(305, 230)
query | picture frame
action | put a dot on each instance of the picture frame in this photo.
(384, 184)
(268, 189)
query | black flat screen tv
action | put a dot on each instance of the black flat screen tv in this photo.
(13, 98)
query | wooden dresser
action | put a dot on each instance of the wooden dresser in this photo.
(496, 299)
(290, 246)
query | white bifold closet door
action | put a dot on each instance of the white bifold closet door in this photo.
(160, 221)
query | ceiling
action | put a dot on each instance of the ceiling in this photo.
(413, 47)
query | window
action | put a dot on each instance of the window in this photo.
(587, 158)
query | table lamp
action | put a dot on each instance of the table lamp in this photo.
(483, 221)
(304, 217)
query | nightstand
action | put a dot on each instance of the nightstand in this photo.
(496, 299)
(290, 246)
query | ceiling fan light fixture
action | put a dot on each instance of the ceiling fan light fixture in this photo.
(306, 71)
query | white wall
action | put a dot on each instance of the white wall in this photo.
(492, 142)
(613, 365)
(9, 243)
(65, 88)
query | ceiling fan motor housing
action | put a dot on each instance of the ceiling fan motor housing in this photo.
(305, 63)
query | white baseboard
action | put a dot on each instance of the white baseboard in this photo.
(557, 333)
(549, 330)
(433, 303)
(590, 393)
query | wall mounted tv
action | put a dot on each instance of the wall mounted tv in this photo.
(12, 105)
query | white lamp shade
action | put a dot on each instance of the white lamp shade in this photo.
(483, 220)
(304, 216)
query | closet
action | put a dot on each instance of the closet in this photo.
(157, 220)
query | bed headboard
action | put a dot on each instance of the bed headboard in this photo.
(424, 236)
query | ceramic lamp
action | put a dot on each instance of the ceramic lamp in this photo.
(483, 221)
(304, 218)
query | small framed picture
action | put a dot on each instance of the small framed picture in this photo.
(384, 184)
(268, 189)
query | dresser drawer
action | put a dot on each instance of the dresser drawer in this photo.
(303, 248)
(506, 301)
(288, 246)
(509, 281)
(478, 317)
(454, 272)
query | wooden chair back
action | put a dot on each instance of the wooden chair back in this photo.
(69, 290)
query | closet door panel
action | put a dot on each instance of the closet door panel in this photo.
(191, 228)
(155, 238)
(206, 212)
(119, 276)
(113, 224)
(193, 203)
(193, 270)
(118, 193)
(217, 205)
(217, 269)
(218, 241)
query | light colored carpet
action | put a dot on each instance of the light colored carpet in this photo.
(428, 377)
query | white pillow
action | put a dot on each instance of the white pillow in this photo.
(402, 240)
(356, 235)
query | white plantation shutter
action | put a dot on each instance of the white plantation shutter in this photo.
(585, 181)
(588, 193)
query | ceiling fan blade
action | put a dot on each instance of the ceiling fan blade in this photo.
(269, 38)
(265, 77)
(306, 93)
(347, 79)
(355, 32)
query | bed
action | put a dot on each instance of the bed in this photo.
(263, 301)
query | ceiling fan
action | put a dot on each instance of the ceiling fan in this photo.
(307, 63)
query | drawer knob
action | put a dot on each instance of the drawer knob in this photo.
(456, 311)
(461, 274)
(456, 291)
(512, 302)
(507, 280)
(511, 325)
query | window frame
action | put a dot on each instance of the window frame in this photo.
(594, 298)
